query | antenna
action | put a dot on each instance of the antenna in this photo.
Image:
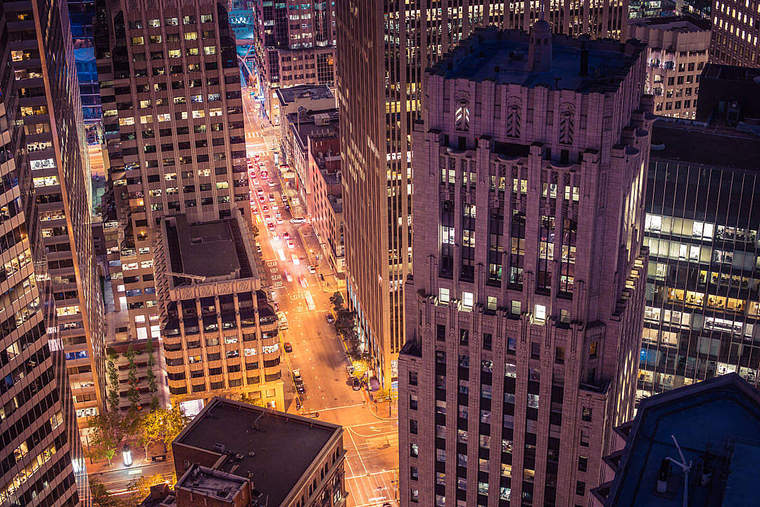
(685, 468)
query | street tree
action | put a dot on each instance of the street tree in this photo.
(107, 430)
(142, 484)
(161, 426)
(100, 495)
(337, 301)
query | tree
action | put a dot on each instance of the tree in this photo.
(100, 495)
(113, 381)
(107, 432)
(143, 484)
(337, 300)
(161, 426)
(151, 375)
(133, 395)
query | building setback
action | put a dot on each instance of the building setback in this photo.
(383, 50)
(173, 119)
(735, 32)
(295, 45)
(676, 54)
(40, 447)
(50, 110)
(524, 312)
(219, 331)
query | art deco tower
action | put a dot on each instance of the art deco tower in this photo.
(383, 49)
(524, 315)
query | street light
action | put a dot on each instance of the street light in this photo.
(126, 455)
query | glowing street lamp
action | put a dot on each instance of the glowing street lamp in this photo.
(126, 455)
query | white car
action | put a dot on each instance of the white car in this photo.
(297, 220)
(291, 243)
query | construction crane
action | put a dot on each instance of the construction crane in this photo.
(195, 278)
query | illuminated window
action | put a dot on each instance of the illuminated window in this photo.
(539, 313)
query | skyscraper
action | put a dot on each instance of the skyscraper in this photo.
(42, 58)
(40, 439)
(173, 119)
(295, 45)
(735, 33)
(524, 312)
(383, 50)
(702, 314)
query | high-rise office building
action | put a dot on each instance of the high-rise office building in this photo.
(42, 58)
(676, 54)
(295, 45)
(40, 448)
(173, 119)
(702, 314)
(219, 330)
(524, 312)
(383, 50)
(735, 32)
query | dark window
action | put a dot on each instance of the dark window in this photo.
(582, 463)
(412, 378)
(586, 414)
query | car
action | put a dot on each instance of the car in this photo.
(271, 197)
(272, 183)
(275, 207)
(330, 318)
(252, 173)
(264, 174)
(270, 226)
(297, 220)
(279, 220)
(295, 260)
(301, 389)
(311, 269)
(278, 216)
(286, 235)
(264, 207)
(260, 191)
(262, 198)
(356, 385)
(303, 281)
(291, 243)
(267, 218)
(288, 347)
(296, 374)
(287, 207)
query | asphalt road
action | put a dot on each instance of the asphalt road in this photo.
(371, 441)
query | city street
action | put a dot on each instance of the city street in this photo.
(370, 440)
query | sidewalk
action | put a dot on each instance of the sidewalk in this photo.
(117, 462)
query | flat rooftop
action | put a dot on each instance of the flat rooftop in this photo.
(502, 56)
(681, 24)
(694, 142)
(310, 92)
(210, 482)
(275, 447)
(208, 249)
(717, 425)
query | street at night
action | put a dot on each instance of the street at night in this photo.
(371, 440)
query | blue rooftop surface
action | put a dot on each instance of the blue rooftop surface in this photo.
(502, 56)
(720, 417)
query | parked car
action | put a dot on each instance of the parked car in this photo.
(311, 269)
(288, 347)
(330, 318)
(356, 385)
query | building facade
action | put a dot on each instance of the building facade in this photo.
(220, 334)
(702, 299)
(51, 112)
(326, 205)
(735, 33)
(295, 45)
(40, 454)
(383, 50)
(173, 119)
(677, 51)
(526, 302)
